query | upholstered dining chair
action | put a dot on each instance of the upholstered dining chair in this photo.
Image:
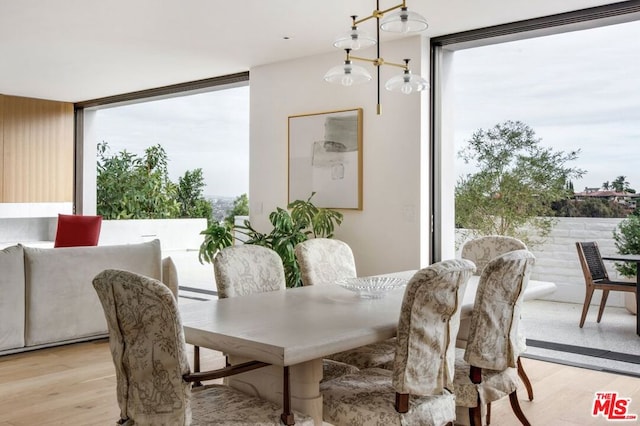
(245, 269)
(481, 251)
(417, 390)
(487, 369)
(597, 278)
(153, 381)
(248, 269)
(324, 261)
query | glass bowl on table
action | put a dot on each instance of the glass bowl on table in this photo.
(372, 287)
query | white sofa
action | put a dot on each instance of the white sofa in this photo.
(46, 294)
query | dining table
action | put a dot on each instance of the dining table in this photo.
(298, 327)
(630, 258)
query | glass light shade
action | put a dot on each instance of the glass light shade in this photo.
(406, 83)
(354, 40)
(347, 74)
(403, 21)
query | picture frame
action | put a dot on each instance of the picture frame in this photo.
(325, 158)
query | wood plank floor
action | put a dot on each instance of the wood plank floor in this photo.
(75, 384)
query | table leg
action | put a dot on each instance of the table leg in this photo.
(267, 383)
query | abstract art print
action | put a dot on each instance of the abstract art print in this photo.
(325, 158)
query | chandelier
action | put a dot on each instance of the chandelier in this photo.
(402, 21)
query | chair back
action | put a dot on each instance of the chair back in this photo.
(484, 249)
(324, 261)
(427, 328)
(592, 265)
(493, 330)
(248, 269)
(148, 349)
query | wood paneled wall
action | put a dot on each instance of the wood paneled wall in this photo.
(37, 150)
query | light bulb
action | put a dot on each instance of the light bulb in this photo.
(347, 80)
(404, 23)
(406, 88)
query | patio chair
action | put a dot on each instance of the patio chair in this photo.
(324, 261)
(481, 251)
(487, 369)
(153, 381)
(596, 278)
(417, 390)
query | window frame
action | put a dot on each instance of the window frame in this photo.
(441, 50)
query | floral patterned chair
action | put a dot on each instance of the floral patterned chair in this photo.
(247, 269)
(241, 270)
(481, 251)
(152, 371)
(487, 369)
(324, 261)
(417, 390)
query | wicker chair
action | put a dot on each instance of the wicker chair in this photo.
(596, 278)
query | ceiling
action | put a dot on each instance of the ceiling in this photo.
(76, 50)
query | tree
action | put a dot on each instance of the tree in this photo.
(138, 187)
(627, 241)
(190, 195)
(590, 207)
(516, 183)
(240, 208)
(606, 186)
(620, 184)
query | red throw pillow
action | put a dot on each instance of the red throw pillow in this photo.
(77, 230)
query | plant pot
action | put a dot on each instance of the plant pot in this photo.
(630, 303)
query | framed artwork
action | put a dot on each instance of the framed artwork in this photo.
(325, 158)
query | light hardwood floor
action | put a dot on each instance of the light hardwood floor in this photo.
(75, 384)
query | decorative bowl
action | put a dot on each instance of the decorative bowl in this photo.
(372, 287)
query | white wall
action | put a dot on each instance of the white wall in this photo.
(387, 234)
(174, 234)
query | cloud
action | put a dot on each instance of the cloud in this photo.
(208, 131)
(577, 90)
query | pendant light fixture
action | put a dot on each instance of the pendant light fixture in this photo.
(400, 21)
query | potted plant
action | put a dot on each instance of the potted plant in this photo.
(302, 220)
(627, 240)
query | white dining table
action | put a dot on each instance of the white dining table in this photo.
(298, 327)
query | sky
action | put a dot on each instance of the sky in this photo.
(578, 90)
(208, 131)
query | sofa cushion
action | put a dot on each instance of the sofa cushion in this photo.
(12, 311)
(170, 275)
(61, 302)
(77, 230)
